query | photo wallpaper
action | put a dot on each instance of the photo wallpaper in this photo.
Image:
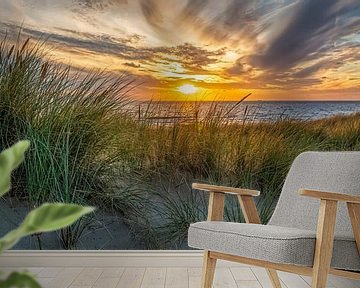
(128, 102)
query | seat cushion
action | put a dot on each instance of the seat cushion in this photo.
(270, 243)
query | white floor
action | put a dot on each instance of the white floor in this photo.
(167, 277)
(143, 269)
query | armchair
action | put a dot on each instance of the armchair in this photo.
(312, 232)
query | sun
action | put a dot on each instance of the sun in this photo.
(187, 89)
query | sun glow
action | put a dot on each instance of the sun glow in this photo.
(187, 89)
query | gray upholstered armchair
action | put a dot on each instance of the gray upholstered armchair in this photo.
(312, 232)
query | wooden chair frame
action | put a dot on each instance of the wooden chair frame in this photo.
(324, 236)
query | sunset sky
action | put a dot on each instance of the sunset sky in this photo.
(204, 49)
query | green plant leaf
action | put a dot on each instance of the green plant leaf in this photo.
(48, 217)
(10, 159)
(20, 280)
(10, 239)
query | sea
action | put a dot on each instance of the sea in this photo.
(245, 111)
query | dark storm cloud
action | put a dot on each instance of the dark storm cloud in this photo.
(315, 24)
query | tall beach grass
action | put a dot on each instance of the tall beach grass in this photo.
(69, 117)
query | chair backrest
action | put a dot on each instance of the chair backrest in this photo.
(325, 171)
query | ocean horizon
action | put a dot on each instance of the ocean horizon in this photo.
(247, 110)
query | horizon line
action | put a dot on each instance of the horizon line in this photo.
(236, 101)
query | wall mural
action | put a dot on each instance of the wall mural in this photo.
(127, 102)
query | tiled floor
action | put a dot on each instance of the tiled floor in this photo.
(153, 277)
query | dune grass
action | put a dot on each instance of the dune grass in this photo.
(86, 147)
(68, 116)
(251, 155)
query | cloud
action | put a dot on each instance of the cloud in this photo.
(100, 4)
(316, 24)
(280, 44)
(91, 42)
(229, 21)
(239, 68)
(151, 12)
(237, 18)
(132, 64)
(193, 58)
(192, 9)
(310, 70)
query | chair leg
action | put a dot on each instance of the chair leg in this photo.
(274, 278)
(208, 271)
(324, 243)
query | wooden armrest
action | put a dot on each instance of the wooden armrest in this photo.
(224, 189)
(327, 220)
(322, 195)
(217, 200)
